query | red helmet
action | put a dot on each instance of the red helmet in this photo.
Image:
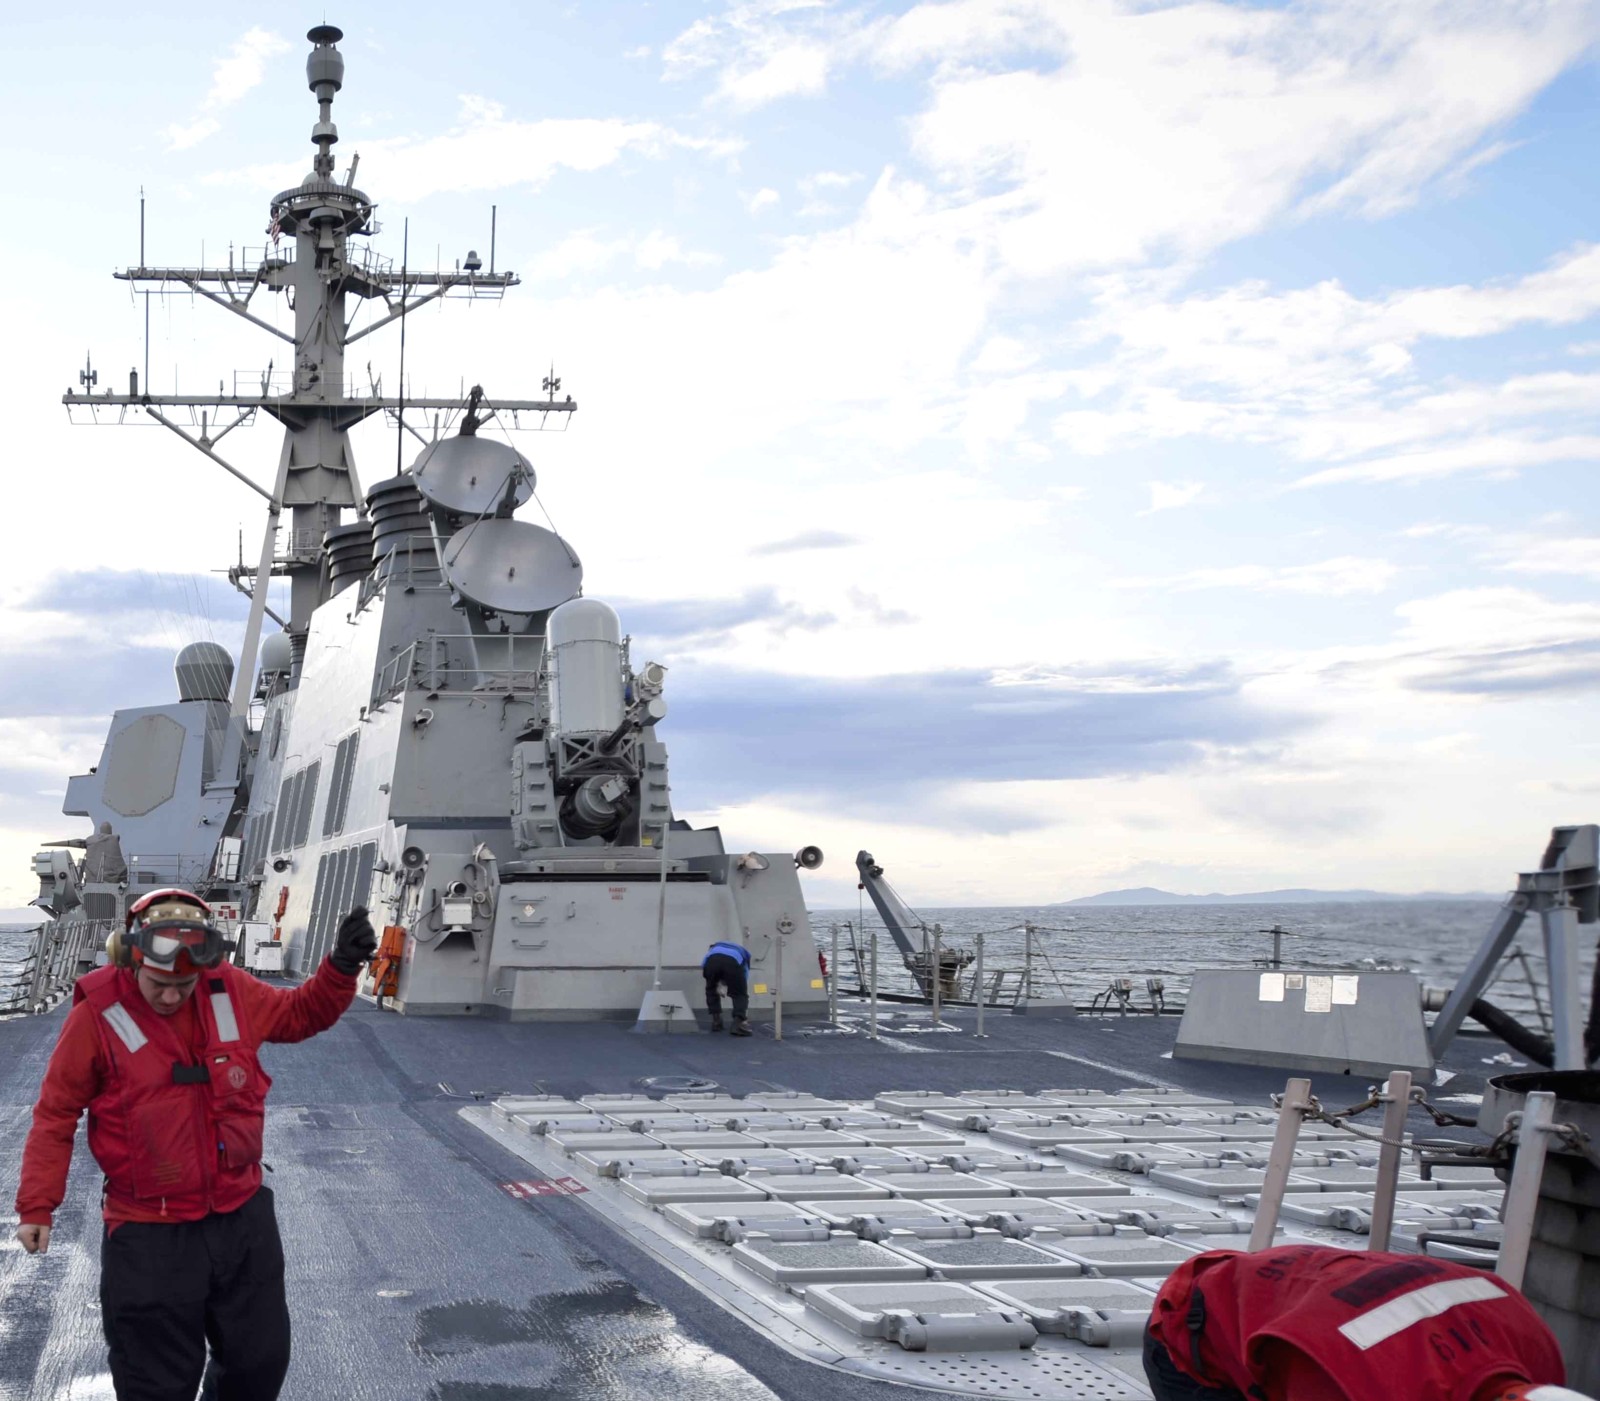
(170, 931)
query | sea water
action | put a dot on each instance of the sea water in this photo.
(1080, 949)
(1083, 948)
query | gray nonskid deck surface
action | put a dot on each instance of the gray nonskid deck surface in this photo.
(414, 1274)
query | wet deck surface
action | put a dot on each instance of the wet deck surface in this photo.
(412, 1273)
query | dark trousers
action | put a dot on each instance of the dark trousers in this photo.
(727, 971)
(1169, 1384)
(169, 1290)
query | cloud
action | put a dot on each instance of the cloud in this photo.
(136, 620)
(1227, 118)
(1328, 378)
(1168, 496)
(582, 251)
(30, 684)
(1446, 530)
(488, 150)
(1535, 669)
(101, 592)
(656, 249)
(1499, 453)
(807, 540)
(1574, 556)
(875, 611)
(762, 200)
(181, 137)
(587, 251)
(711, 623)
(905, 734)
(1329, 578)
(1479, 643)
(232, 76)
(828, 180)
(758, 58)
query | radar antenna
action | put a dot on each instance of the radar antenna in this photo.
(315, 255)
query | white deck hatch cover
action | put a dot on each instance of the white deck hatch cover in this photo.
(987, 1335)
(711, 1220)
(840, 1259)
(1099, 1312)
(987, 1255)
(711, 1186)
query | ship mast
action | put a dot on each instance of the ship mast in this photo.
(321, 269)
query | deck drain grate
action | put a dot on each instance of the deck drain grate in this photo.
(1039, 1373)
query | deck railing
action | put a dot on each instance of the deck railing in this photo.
(449, 661)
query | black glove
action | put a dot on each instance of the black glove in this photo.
(354, 944)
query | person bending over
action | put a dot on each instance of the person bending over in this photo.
(1314, 1323)
(727, 966)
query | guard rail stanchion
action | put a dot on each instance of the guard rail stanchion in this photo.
(872, 1005)
(1296, 1100)
(1027, 964)
(833, 978)
(977, 986)
(1522, 1192)
(936, 972)
(777, 1003)
(1397, 1102)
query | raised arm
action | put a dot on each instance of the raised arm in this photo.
(293, 1014)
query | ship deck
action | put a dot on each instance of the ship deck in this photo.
(414, 1272)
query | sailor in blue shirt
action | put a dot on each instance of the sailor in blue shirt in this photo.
(725, 966)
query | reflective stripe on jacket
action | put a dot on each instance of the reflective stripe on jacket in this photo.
(1378, 1325)
(173, 1121)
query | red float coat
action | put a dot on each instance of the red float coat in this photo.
(171, 1150)
(1313, 1322)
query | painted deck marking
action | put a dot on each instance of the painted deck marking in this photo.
(1139, 1079)
(546, 1187)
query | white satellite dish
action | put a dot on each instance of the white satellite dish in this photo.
(470, 475)
(512, 566)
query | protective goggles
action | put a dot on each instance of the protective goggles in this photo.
(163, 947)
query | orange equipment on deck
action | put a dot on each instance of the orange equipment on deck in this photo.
(386, 962)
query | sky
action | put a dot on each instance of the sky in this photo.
(1057, 445)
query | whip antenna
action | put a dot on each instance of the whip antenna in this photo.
(400, 412)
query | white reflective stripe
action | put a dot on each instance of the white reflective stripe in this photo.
(1371, 1328)
(121, 1021)
(227, 1023)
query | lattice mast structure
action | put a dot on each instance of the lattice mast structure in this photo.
(312, 259)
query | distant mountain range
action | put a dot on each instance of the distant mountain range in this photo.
(1149, 895)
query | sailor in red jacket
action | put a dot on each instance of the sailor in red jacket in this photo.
(160, 1048)
(1313, 1323)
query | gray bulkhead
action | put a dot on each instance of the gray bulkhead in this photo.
(150, 786)
(560, 931)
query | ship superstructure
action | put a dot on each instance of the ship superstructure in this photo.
(445, 728)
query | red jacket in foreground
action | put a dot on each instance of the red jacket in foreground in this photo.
(1315, 1323)
(175, 1102)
